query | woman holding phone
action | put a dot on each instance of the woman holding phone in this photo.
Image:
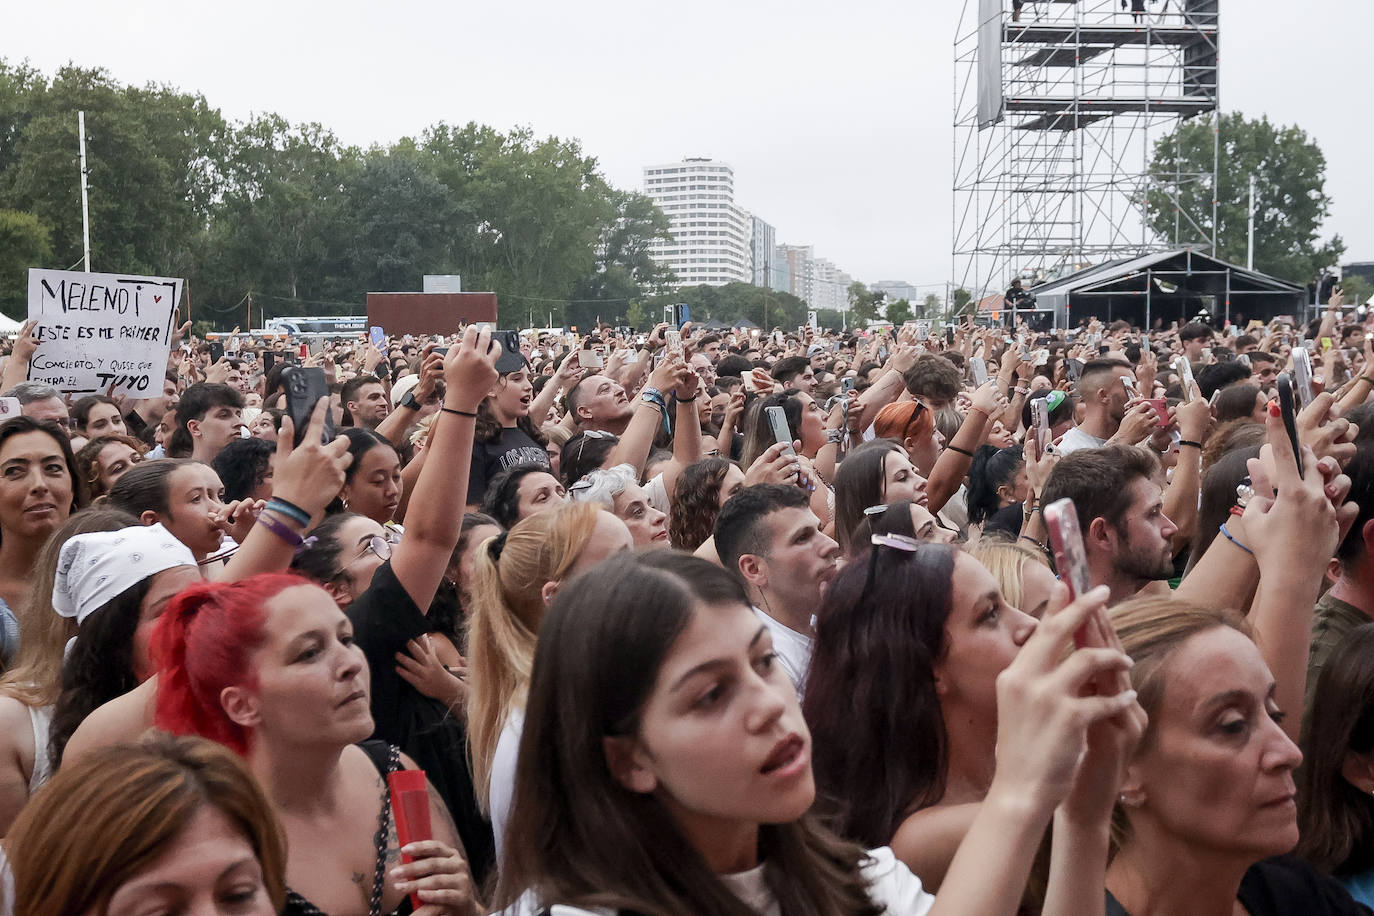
(695, 775)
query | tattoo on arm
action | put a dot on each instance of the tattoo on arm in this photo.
(444, 820)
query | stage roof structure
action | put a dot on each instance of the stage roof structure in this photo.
(1168, 286)
(1056, 120)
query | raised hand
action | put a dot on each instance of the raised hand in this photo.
(470, 369)
(1045, 708)
(773, 467)
(310, 475)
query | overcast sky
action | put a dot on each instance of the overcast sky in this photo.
(835, 116)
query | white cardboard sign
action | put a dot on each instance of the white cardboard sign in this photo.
(97, 330)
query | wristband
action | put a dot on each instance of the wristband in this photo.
(834, 436)
(457, 412)
(1196, 445)
(286, 534)
(290, 510)
(682, 400)
(962, 451)
(1228, 537)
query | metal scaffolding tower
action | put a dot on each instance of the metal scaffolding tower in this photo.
(1056, 117)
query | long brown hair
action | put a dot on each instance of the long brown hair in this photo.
(576, 835)
(101, 821)
(1336, 819)
(696, 502)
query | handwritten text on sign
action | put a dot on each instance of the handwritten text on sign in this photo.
(98, 330)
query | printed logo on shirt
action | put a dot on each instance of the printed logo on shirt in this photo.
(524, 455)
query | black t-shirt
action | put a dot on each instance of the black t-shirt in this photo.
(384, 619)
(491, 458)
(1284, 886)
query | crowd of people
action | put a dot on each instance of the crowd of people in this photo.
(688, 621)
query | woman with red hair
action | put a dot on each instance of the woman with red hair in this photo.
(943, 464)
(268, 667)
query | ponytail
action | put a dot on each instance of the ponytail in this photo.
(201, 645)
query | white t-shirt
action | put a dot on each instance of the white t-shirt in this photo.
(1076, 439)
(503, 776)
(792, 648)
(891, 883)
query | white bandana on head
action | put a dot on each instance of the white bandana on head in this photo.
(94, 568)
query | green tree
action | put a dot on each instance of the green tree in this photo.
(404, 222)
(536, 210)
(962, 298)
(1290, 196)
(930, 307)
(284, 228)
(732, 302)
(624, 268)
(863, 303)
(152, 164)
(898, 312)
(23, 244)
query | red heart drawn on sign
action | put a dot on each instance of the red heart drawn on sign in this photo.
(157, 298)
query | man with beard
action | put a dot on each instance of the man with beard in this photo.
(1117, 493)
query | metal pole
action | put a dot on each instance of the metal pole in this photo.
(85, 205)
(1250, 245)
(1216, 178)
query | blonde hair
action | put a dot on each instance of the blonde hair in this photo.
(507, 611)
(35, 679)
(556, 433)
(421, 431)
(104, 819)
(1151, 630)
(1005, 560)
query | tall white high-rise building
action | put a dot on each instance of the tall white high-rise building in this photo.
(711, 236)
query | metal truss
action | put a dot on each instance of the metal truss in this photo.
(1087, 90)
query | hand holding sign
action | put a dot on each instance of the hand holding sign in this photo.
(93, 331)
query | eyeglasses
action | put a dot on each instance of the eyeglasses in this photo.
(377, 544)
(895, 541)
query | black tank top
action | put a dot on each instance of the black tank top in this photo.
(387, 760)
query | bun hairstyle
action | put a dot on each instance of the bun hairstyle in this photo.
(991, 469)
(202, 644)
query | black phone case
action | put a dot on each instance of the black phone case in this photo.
(1285, 385)
(304, 388)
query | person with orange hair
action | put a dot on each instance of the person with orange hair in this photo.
(943, 464)
(268, 667)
